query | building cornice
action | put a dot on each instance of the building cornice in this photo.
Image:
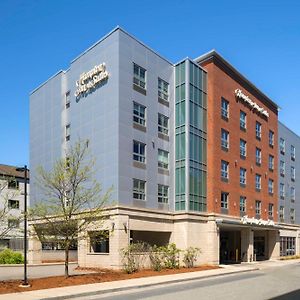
(214, 57)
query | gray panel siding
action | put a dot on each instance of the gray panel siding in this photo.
(290, 139)
(133, 52)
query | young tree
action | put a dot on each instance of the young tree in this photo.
(73, 199)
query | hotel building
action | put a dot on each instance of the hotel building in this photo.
(190, 149)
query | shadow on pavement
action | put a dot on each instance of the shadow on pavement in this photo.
(295, 295)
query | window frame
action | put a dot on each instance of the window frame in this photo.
(258, 183)
(161, 91)
(139, 156)
(162, 193)
(139, 189)
(162, 164)
(243, 121)
(224, 142)
(137, 114)
(224, 108)
(139, 80)
(258, 130)
(243, 176)
(224, 203)
(243, 148)
(161, 127)
(225, 172)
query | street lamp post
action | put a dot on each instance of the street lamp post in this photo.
(25, 280)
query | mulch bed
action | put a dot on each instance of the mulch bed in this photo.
(100, 275)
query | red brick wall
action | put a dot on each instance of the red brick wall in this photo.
(220, 84)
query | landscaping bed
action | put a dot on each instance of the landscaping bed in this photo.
(99, 275)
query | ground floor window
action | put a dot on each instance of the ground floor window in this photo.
(287, 246)
(99, 241)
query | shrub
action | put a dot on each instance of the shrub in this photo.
(190, 256)
(134, 256)
(156, 258)
(8, 256)
(170, 255)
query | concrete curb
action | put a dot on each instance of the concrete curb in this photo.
(113, 290)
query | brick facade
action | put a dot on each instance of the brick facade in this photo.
(222, 82)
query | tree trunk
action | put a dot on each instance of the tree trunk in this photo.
(67, 261)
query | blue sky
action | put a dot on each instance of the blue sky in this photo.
(38, 38)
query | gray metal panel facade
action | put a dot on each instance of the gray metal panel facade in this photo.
(105, 117)
(290, 138)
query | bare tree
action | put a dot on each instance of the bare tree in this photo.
(73, 199)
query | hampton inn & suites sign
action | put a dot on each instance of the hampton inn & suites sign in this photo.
(89, 80)
(240, 96)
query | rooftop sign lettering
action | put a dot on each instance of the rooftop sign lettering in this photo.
(89, 80)
(242, 97)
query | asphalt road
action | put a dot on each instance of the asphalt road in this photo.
(280, 283)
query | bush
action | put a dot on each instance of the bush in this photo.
(8, 256)
(134, 256)
(190, 256)
(170, 255)
(156, 258)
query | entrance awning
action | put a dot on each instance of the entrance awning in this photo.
(249, 223)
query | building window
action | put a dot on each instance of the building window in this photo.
(139, 114)
(282, 145)
(224, 200)
(224, 108)
(293, 173)
(293, 194)
(139, 76)
(99, 241)
(163, 159)
(271, 210)
(224, 169)
(257, 207)
(281, 213)
(163, 89)
(162, 193)
(13, 184)
(224, 139)
(281, 190)
(243, 148)
(258, 181)
(13, 223)
(243, 117)
(68, 99)
(292, 215)
(258, 130)
(271, 138)
(242, 204)
(139, 151)
(258, 156)
(287, 246)
(13, 204)
(293, 152)
(271, 186)
(271, 162)
(282, 168)
(68, 132)
(243, 176)
(139, 189)
(163, 124)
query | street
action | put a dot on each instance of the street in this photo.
(278, 283)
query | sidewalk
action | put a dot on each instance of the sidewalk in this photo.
(115, 286)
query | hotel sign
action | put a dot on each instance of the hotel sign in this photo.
(89, 80)
(242, 97)
(253, 221)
